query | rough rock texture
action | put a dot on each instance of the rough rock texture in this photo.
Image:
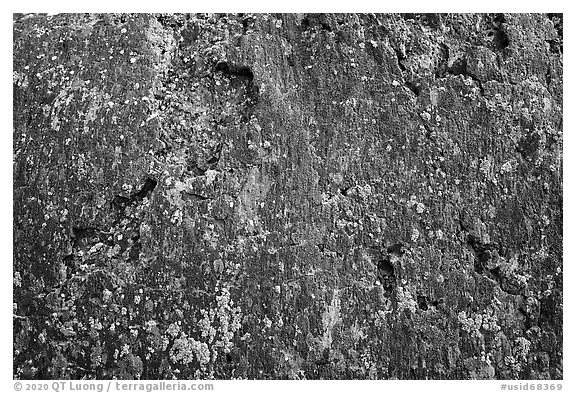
(288, 196)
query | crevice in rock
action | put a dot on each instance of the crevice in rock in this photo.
(215, 156)
(460, 67)
(548, 77)
(146, 190)
(500, 40)
(240, 71)
(399, 58)
(422, 302)
(557, 46)
(241, 75)
(386, 274)
(344, 191)
(397, 248)
(425, 304)
(196, 197)
(247, 22)
(194, 169)
(413, 88)
(120, 202)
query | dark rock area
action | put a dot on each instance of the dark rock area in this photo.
(288, 196)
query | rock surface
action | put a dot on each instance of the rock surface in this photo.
(288, 196)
